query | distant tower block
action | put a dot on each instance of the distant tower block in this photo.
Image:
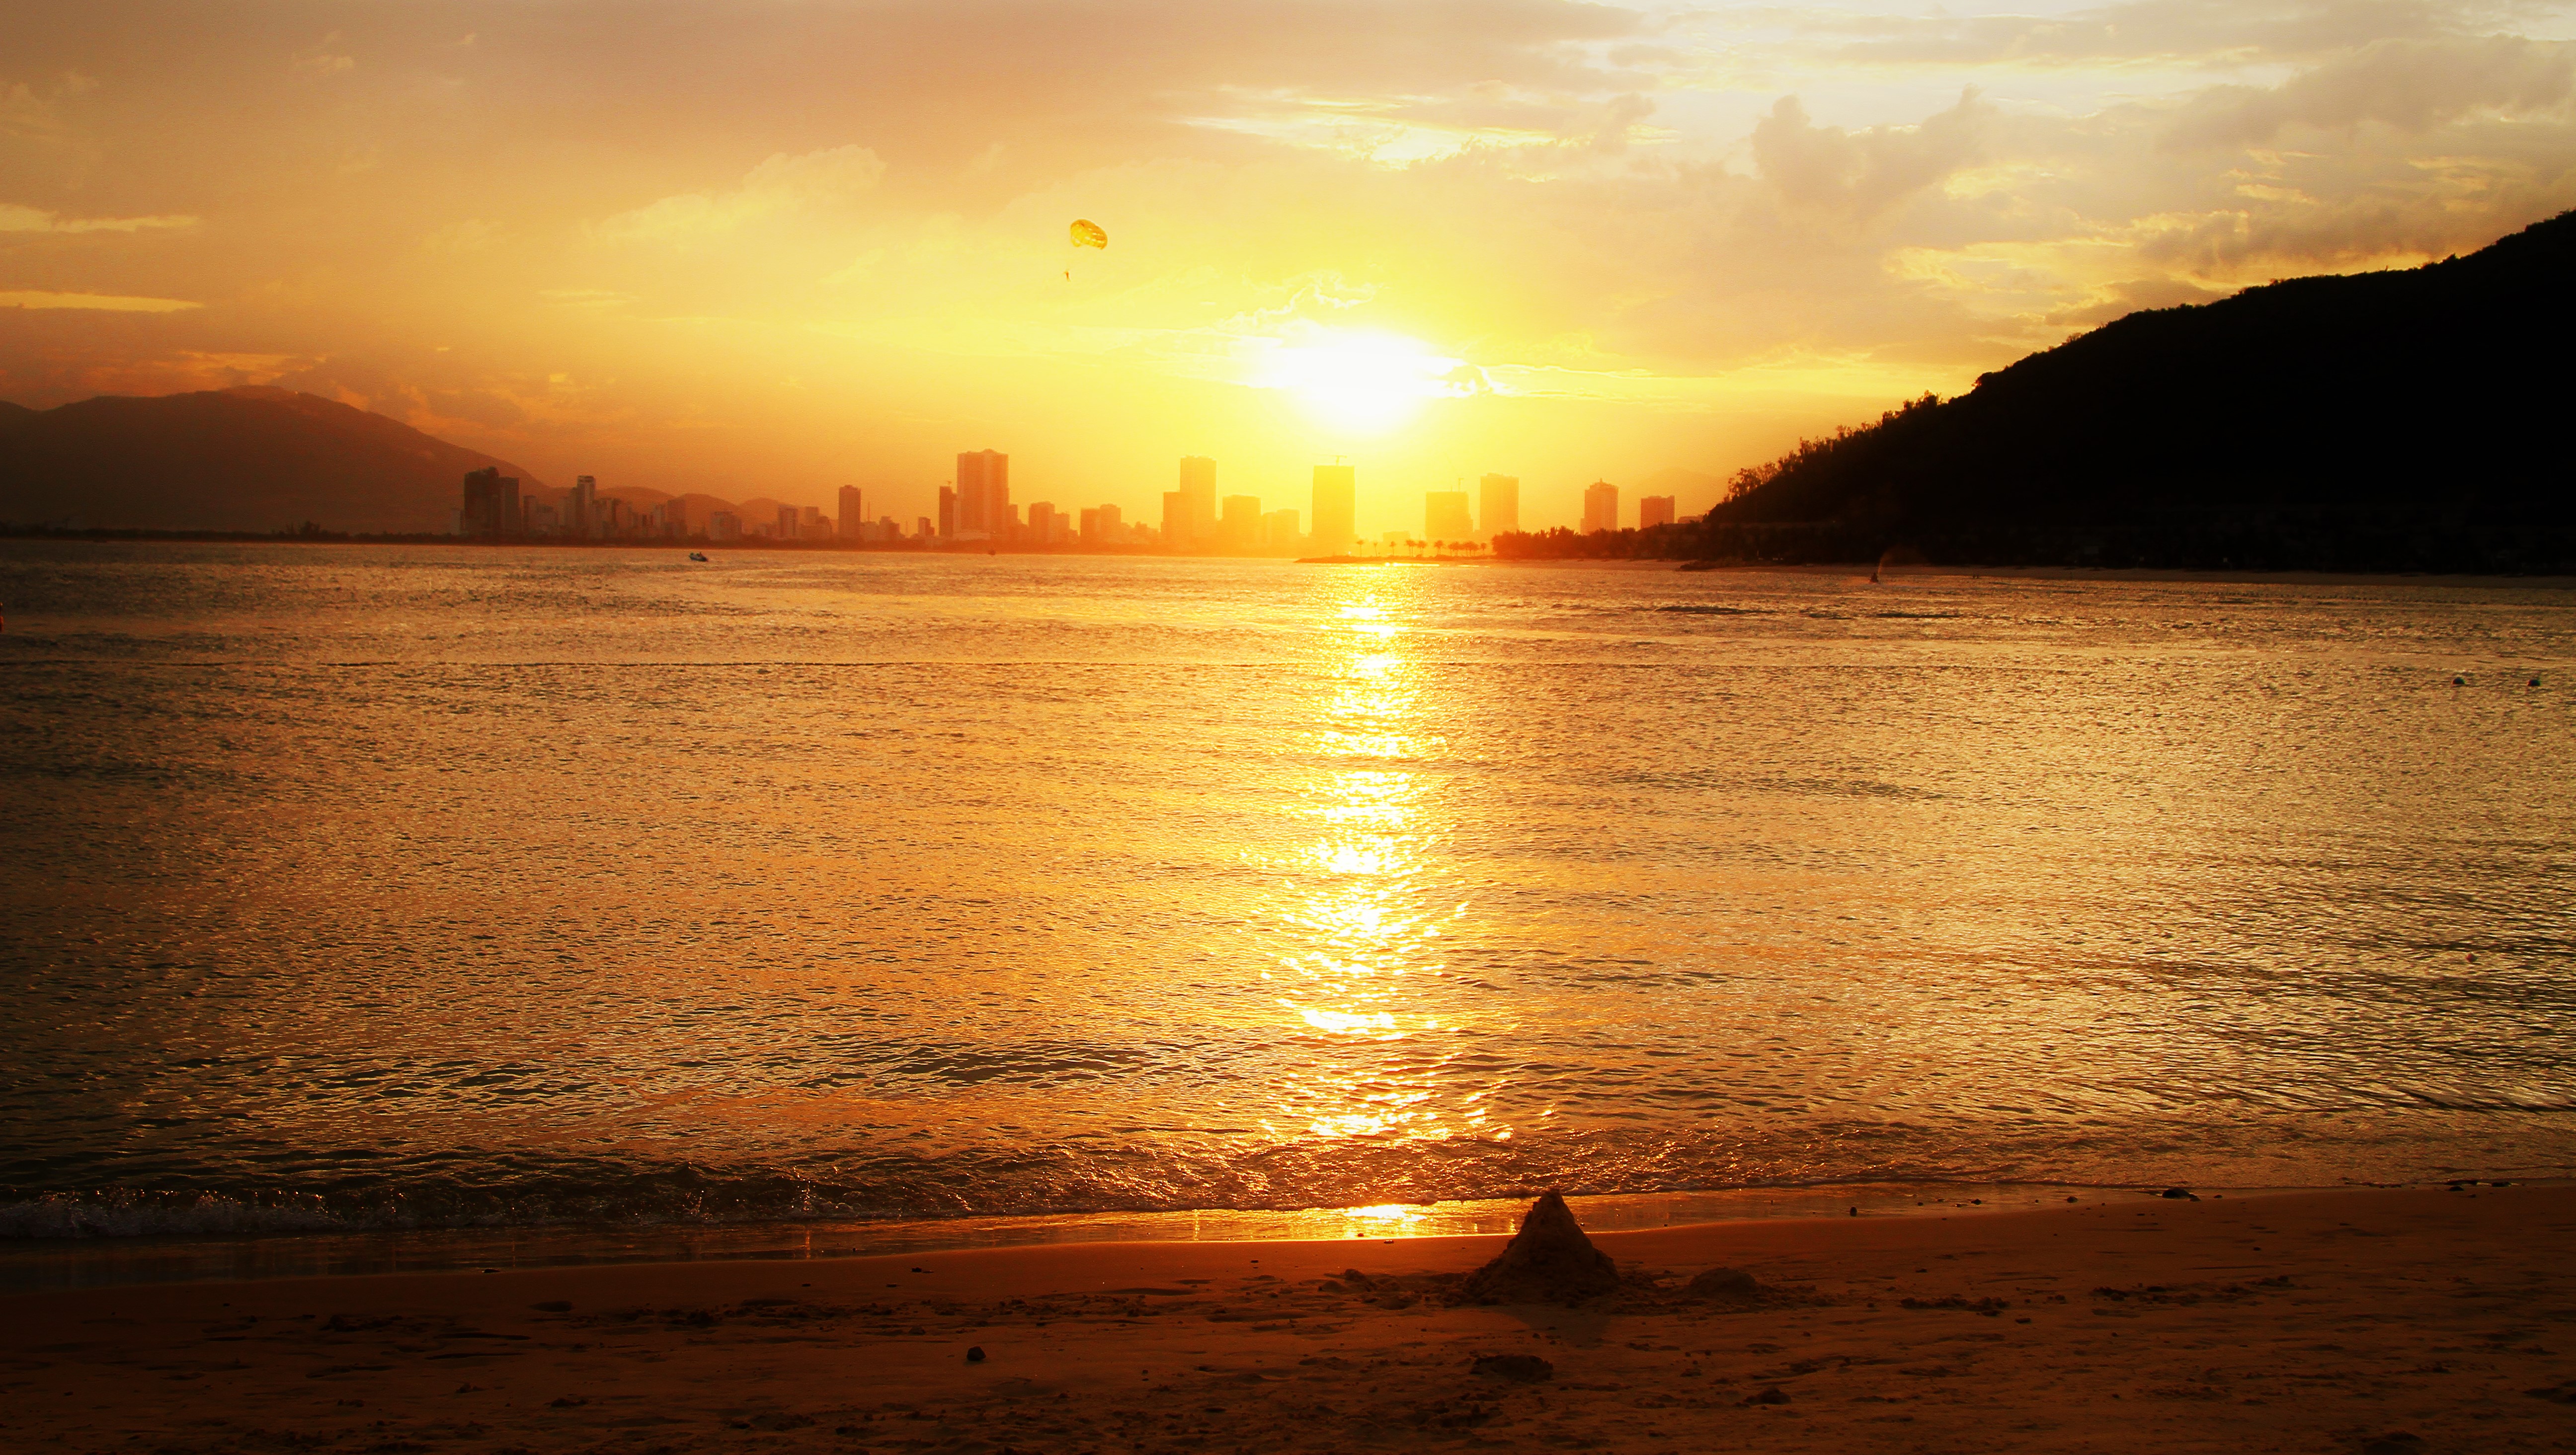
(1279, 531)
(854, 523)
(1498, 508)
(1654, 510)
(1444, 516)
(1240, 527)
(983, 494)
(491, 504)
(1198, 496)
(1600, 506)
(1336, 508)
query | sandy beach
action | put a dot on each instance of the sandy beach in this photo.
(2380, 1321)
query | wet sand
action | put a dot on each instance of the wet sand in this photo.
(2370, 1321)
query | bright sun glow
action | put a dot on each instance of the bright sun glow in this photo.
(1365, 383)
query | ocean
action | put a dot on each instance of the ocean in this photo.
(348, 889)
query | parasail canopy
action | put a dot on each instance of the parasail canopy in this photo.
(1089, 234)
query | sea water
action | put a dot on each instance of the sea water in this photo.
(348, 888)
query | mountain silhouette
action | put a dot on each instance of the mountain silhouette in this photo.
(2380, 421)
(250, 459)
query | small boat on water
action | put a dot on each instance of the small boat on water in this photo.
(697, 555)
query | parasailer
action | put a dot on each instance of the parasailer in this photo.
(1089, 234)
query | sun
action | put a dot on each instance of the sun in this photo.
(1364, 383)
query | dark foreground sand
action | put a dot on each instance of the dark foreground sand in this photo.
(2350, 1321)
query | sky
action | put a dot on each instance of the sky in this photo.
(773, 247)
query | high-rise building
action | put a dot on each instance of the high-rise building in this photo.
(1498, 504)
(1279, 531)
(853, 519)
(1336, 508)
(1046, 524)
(1654, 510)
(491, 504)
(924, 523)
(1444, 516)
(790, 522)
(1198, 488)
(947, 512)
(1176, 519)
(984, 495)
(581, 511)
(1239, 529)
(1600, 506)
(724, 525)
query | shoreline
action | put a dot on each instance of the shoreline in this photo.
(2299, 1320)
(968, 551)
(53, 1263)
(33, 1263)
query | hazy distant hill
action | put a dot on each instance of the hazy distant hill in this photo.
(2409, 420)
(234, 459)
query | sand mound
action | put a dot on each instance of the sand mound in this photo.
(1548, 1260)
(1725, 1283)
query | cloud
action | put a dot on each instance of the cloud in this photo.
(103, 302)
(2410, 85)
(322, 60)
(1862, 174)
(27, 114)
(14, 218)
(783, 187)
(2202, 33)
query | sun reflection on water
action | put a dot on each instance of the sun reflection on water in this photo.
(1368, 900)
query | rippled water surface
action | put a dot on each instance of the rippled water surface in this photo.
(347, 887)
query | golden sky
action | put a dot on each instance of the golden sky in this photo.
(770, 247)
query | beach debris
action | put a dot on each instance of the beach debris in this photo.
(1990, 1307)
(1771, 1394)
(1518, 1368)
(2177, 1193)
(1548, 1260)
(975, 1354)
(1724, 1283)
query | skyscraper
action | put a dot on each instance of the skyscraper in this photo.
(1198, 495)
(1654, 510)
(1279, 531)
(1499, 508)
(1444, 516)
(854, 522)
(1240, 530)
(491, 504)
(984, 494)
(1600, 506)
(581, 512)
(947, 512)
(1046, 524)
(1336, 508)
(1176, 520)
